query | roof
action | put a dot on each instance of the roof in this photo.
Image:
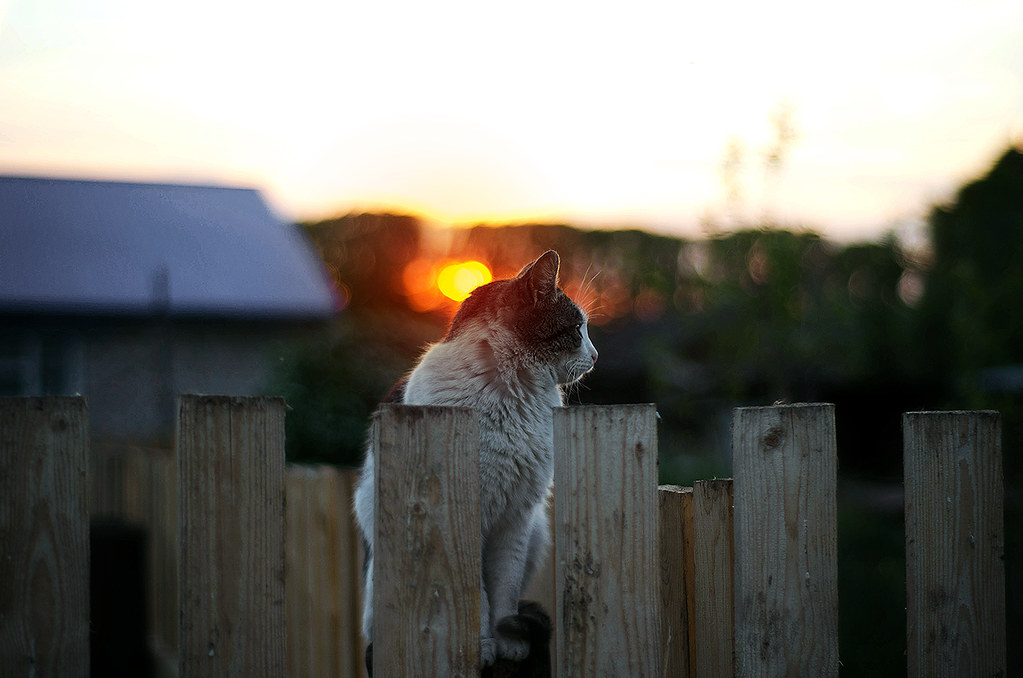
(103, 247)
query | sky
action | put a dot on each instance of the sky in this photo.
(652, 114)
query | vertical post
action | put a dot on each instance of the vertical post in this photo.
(44, 537)
(426, 544)
(605, 470)
(323, 574)
(231, 522)
(955, 542)
(675, 613)
(714, 565)
(689, 538)
(349, 545)
(299, 586)
(786, 593)
(163, 589)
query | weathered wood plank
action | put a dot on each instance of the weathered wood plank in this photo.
(675, 613)
(44, 537)
(955, 543)
(427, 550)
(786, 594)
(605, 471)
(714, 565)
(231, 502)
(322, 575)
(298, 589)
(689, 540)
(350, 562)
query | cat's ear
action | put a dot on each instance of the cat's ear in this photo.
(541, 276)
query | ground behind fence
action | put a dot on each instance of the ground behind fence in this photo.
(669, 581)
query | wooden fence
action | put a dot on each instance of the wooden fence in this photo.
(725, 578)
(322, 551)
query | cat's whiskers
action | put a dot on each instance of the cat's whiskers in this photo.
(574, 389)
(587, 300)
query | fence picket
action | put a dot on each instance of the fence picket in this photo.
(231, 503)
(426, 619)
(323, 575)
(676, 613)
(605, 471)
(955, 542)
(714, 565)
(44, 537)
(786, 593)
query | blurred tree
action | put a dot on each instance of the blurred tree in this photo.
(969, 313)
(334, 383)
(366, 254)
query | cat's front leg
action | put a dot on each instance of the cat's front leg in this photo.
(504, 567)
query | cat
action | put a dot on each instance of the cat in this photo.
(510, 349)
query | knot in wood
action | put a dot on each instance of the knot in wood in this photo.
(773, 437)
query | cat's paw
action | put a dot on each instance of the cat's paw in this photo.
(529, 629)
(512, 637)
(512, 649)
(488, 651)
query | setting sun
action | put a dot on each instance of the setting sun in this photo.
(457, 281)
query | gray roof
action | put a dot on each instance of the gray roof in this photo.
(127, 248)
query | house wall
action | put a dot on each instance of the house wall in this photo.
(135, 374)
(131, 370)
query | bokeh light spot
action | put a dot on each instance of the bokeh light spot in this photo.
(457, 281)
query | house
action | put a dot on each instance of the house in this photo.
(131, 293)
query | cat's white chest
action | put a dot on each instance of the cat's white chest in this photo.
(515, 413)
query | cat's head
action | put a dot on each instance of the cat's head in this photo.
(530, 316)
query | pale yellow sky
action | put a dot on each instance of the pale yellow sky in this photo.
(460, 110)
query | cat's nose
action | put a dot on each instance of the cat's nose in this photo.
(593, 355)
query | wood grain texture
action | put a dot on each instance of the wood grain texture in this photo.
(786, 596)
(689, 541)
(426, 580)
(714, 564)
(323, 575)
(231, 501)
(675, 613)
(955, 543)
(350, 560)
(44, 537)
(299, 583)
(605, 471)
